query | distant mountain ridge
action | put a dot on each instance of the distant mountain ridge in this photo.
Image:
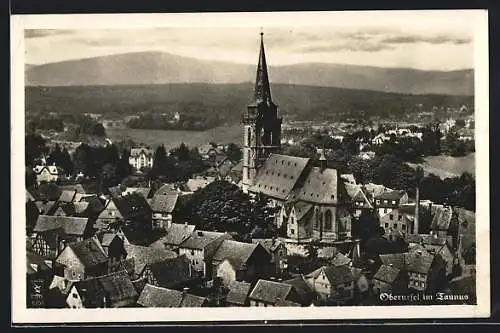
(145, 68)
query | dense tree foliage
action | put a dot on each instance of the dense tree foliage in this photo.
(35, 147)
(193, 117)
(234, 152)
(222, 206)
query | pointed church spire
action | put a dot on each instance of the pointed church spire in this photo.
(262, 92)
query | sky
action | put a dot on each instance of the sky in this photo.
(441, 41)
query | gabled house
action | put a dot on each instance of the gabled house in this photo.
(435, 244)
(113, 245)
(138, 257)
(390, 279)
(141, 157)
(109, 291)
(303, 289)
(389, 200)
(445, 222)
(426, 271)
(237, 261)
(332, 283)
(200, 248)
(51, 233)
(172, 273)
(38, 278)
(163, 207)
(267, 293)
(82, 260)
(46, 173)
(238, 293)
(341, 259)
(176, 234)
(277, 249)
(158, 297)
(67, 196)
(358, 198)
(299, 227)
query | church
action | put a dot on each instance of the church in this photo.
(312, 200)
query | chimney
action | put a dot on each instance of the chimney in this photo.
(322, 160)
(459, 245)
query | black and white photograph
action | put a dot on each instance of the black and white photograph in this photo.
(318, 164)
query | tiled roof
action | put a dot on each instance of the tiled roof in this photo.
(338, 274)
(144, 255)
(442, 218)
(130, 204)
(199, 239)
(349, 178)
(390, 195)
(194, 184)
(144, 191)
(238, 292)
(116, 288)
(270, 291)
(320, 186)
(176, 234)
(301, 286)
(340, 259)
(279, 174)
(67, 196)
(70, 225)
(164, 203)
(397, 260)
(419, 262)
(237, 253)
(374, 189)
(157, 297)
(270, 244)
(166, 189)
(47, 208)
(387, 274)
(427, 239)
(171, 271)
(89, 252)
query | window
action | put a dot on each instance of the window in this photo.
(391, 217)
(393, 202)
(192, 252)
(292, 231)
(385, 201)
(399, 218)
(395, 225)
(403, 226)
(328, 220)
(385, 210)
(75, 295)
(387, 225)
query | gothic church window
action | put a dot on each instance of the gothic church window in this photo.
(328, 220)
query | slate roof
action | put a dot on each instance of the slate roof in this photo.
(47, 208)
(349, 178)
(131, 204)
(238, 292)
(279, 174)
(387, 274)
(200, 239)
(338, 274)
(164, 203)
(270, 291)
(158, 297)
(70, 225)
(176, 234)
(194, 184)
(144, 255)
(374, 190)
(89, 252)
(144, 191)
(270, 244)
(390, 195)
(320, 186)
(340, 259)
(304, 290)
(237, 253)
(166, 189)
(442, 218)
(301, 209)
(171, 271)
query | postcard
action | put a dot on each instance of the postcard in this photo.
(292, 165)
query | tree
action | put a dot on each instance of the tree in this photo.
(181, 152)
(366, 226)
(35, 147)
(233, 152)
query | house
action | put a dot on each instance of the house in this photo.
(445, 222)
(146, 192)
(426, 271)
(163, 206)
(390, 279)
(277, 249)
(158, 297)
(109, 291)
(359, 200)
(47, 207)
(141, 158)
(298, 226)
(332, 283)
(200, 248)
(397, 221)
(302, 287)
(238, 261)
(138, 257)
(82, 260)
(341, 259)
(389, 200)
(435, 244)
(238, 293)
(168, 273)
(79, 188)
(113, 245)
(176, 235)
(271, 293)
(51, 233)
(361, 282)
(46, 173)
(197, 183)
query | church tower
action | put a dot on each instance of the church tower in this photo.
(261, 124)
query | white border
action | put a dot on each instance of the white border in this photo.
(20, 314)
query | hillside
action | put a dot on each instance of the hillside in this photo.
(228, 100)
(144, 68)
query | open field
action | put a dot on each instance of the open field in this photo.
(448, 166)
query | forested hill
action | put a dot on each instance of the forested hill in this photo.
(226, 101)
